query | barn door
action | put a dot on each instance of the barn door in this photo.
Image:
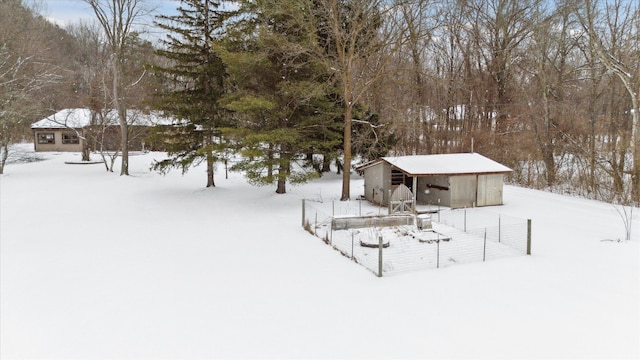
(481, 199)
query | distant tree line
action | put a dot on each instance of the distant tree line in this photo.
(549, 88)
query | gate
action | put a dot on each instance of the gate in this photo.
(402, 201)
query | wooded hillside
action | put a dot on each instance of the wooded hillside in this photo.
(550, 89)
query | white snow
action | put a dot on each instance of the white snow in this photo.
(77, 118)
(445, 164)
(99, 266)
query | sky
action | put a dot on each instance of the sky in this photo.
(65, 12)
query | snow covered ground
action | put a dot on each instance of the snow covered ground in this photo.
(95, 265)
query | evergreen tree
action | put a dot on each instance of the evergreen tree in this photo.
(195, 78)
(279, 92)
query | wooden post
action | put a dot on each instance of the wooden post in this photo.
(484, 248)
(415, 193)
(528, 236)
(303, 215)
(379, 255)
(352, 244)
(465, 220)
(438, 252)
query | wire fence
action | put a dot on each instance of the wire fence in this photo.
(389, 245)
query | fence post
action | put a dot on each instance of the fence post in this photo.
(528, 236)
(438, 252)
(303, 215)
(499, 227)
(484, 248)
(379, 255)
(352, 244)
(465, 219)
(331, 232)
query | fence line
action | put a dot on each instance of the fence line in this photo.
(451, 240)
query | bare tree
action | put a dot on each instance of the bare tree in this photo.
(499, 28)
(357, 38)
(117, 18)
(622, 60)
(24, 71)
(545, 79)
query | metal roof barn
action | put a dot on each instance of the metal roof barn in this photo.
(453, 180)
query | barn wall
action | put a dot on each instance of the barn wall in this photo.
(463, 191)
(374, 183)
(433, 190)
(490, 189)
(386, 184)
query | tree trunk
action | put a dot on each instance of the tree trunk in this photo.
(3, 157)
(635, 143)
(282, 186)
(210, 161)
(122, 117)
(210, 170)
(283, 169)
(270, 161)
(326, 163)
(548, 142)
(86, 151)
(346, 173)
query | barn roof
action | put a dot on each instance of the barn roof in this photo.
(443, 164)
(77, 118)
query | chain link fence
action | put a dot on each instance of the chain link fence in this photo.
(388, 245)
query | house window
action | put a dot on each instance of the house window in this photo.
(70, 138)
(46, 138)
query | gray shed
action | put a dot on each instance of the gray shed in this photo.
(453, 180)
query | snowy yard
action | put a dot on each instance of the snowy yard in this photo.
(95, 265)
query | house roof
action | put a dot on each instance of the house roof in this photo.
(77, 118)
(442, 164)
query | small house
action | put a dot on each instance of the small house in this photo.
(62, 131)
(71, 129)
(452, 180)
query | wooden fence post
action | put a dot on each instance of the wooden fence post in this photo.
(484, 248)
(379, 255)
(528, 236)
(438, 252)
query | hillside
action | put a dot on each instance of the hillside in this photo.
(38, 61)
(95, 265)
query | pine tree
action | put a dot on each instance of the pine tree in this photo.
(279, 92)
(195, 78)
